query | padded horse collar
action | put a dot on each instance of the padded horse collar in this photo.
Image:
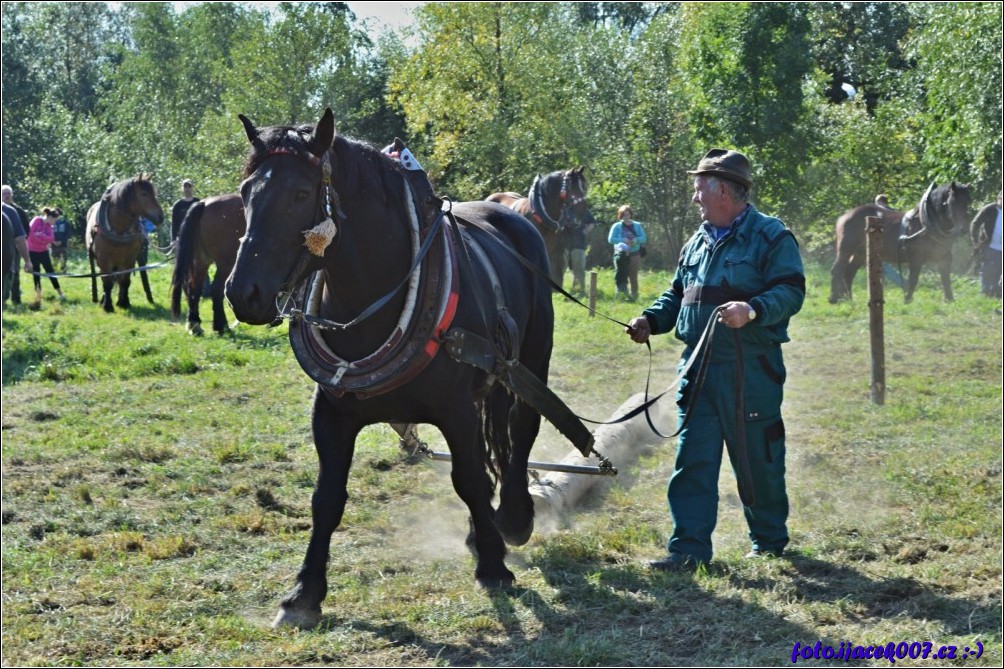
(929, 217)
(430, 305)
(104, 226)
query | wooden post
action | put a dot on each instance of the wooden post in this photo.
(592, 294)
(876, 307)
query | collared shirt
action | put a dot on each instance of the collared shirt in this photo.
(716, 233)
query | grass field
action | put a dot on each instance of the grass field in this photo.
(156, 495)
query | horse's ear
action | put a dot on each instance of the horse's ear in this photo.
(251, 132)
(582, 168)
(324, 133)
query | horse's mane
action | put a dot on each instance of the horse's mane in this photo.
(358, 167)
(121, 192)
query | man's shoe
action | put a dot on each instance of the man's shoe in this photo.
(765, 553)
(672, 564)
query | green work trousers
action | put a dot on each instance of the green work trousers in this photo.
(693, 487)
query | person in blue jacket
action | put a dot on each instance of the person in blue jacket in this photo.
(628, 238)
(744, 269)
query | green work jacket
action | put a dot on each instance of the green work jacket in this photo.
(756, 262)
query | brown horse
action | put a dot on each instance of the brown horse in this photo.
(211, 233)
(557, 207)
(924, 234)
(981, 230)
(115, 236)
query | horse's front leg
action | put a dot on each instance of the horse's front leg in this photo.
(946, 277)
(474, 487)
(334, 439)
(107, 286)
(911, 281)
(123, 301)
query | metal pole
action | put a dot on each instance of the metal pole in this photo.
(876, 307)
(592, 294)
(545, 466)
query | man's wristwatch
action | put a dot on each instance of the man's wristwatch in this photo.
(752, 314)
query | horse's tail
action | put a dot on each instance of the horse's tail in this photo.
(184, 258)
(494, 430)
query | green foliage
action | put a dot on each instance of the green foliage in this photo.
(958, 77)
(490, 94)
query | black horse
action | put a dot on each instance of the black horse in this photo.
(374, 346)
(924, 234)
(557, 207)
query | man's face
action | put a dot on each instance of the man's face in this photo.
(712, 200)
(188, 189)
(8, 196)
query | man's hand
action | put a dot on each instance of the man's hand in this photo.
(639, 330)
(735, 314)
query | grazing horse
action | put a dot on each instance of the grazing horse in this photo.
(383, 301)
(557, 207)
(925, 233)
(210, 233)
(115, 236)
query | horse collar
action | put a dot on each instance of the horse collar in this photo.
(539, 210)
(104, 227)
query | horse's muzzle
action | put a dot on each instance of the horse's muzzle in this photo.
(250, 303)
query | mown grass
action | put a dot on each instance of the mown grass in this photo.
(156, 492)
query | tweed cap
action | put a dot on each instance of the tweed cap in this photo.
(727, 164)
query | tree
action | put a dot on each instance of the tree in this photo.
(958, 52)
(490, 88)
(745, 66)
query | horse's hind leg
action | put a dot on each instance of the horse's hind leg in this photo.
(334, 439)
(474, 487)
(219, 315)
(515, 514)
(193, 292)
(194, 325)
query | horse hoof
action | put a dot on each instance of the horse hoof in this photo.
(515, 534)
(503, 582)
(303, 620)
(195, 329)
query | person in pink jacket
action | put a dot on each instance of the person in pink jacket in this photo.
(41, 234)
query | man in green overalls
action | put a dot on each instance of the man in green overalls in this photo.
(744, 269)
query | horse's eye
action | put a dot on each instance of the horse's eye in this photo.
(301, 195)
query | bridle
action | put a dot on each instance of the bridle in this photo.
(566, 203)
(328, 206)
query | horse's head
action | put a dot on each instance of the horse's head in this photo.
(957, 203)
(295, 221)
(139, 198)
(284, 194)
(574, 190)
(948, 208)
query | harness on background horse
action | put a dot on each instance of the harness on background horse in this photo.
(924, 219)
(104, 226)
(539, 212)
